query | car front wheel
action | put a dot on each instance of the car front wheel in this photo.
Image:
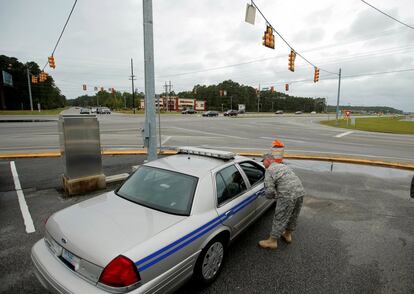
(210, 261)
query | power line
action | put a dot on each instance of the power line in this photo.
(356, 57)
(378, 73)
(388, 15)
(63, 30)
(286, 42)
(348, 76)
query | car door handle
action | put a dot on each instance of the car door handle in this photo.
(228, 214)
(260, 193)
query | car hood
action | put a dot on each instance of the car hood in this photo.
(103, 227)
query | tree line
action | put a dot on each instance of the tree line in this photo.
(46, 93)
(116, 100)
(264, 101)
(235, 94)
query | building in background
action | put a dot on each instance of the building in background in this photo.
(175, 103)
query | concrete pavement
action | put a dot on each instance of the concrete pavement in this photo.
(355, 233)
(301, 134)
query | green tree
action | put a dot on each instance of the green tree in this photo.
(17, 97)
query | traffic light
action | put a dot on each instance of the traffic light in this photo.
(84, 87)
(272, 89)
(316, 75)
(42, 76)
(292, 57)
(34, 80)
(269, 37)
(287, 87)
(51, 61)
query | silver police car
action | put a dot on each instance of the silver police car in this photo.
(171, 219)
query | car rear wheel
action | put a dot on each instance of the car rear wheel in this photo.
(210, 261)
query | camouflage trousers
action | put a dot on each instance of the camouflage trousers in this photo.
(286, 215)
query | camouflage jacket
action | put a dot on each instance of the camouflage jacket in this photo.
(281, 182)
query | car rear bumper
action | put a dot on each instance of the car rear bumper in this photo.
(57, 278)
(61, 280)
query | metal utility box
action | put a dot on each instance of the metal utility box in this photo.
(80, 148)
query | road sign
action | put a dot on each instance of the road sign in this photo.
(7, 78)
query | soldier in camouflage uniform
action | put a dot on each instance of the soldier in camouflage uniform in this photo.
(282, 184)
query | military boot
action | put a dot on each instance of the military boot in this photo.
(287, 236)
(270, 243)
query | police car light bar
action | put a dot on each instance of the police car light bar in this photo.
(206, 152)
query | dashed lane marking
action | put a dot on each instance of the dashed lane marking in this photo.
(344, 134)
(28, 222)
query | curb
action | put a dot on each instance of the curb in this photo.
(352, 160)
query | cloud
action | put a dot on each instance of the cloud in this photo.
(191, 36)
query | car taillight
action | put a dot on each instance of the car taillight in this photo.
(120, 272)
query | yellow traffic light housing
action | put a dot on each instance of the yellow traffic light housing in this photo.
(42, 76)
(51, 60)
(34, 80)
(316, 75)
(292, 57)
(269, 37)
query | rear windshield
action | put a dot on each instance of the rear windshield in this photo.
(160, 189)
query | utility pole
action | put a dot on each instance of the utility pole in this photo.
(165, 97)
(150, 122)
(258, 100)
(30, 89)
(337, 100)
(169, 91)
(159, 121)
(133, 88)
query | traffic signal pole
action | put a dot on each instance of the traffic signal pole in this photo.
(337, 100)
(150, 127)
(30, 89)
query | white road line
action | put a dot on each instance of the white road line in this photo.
(165, 140)
(28, 222)
(283, 139)
(208, 133)
(343, 134)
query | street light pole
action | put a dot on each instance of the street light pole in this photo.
(150, 122)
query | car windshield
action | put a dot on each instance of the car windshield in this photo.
(160, 189)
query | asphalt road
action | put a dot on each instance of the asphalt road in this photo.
(301, 134)
(355, 233)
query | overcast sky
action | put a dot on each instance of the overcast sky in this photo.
(195, 39)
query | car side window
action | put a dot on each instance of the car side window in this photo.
(253, 171)
(229, 183)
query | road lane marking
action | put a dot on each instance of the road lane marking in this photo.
(28, 222)
(165, 140)
(344, 134)
(209, 133)
(283, 139)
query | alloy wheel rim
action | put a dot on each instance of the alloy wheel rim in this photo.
(212, 260)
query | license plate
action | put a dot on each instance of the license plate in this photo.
(72, 259)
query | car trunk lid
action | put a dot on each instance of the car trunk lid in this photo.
(103, 227)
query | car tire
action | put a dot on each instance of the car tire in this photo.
(210, 262)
